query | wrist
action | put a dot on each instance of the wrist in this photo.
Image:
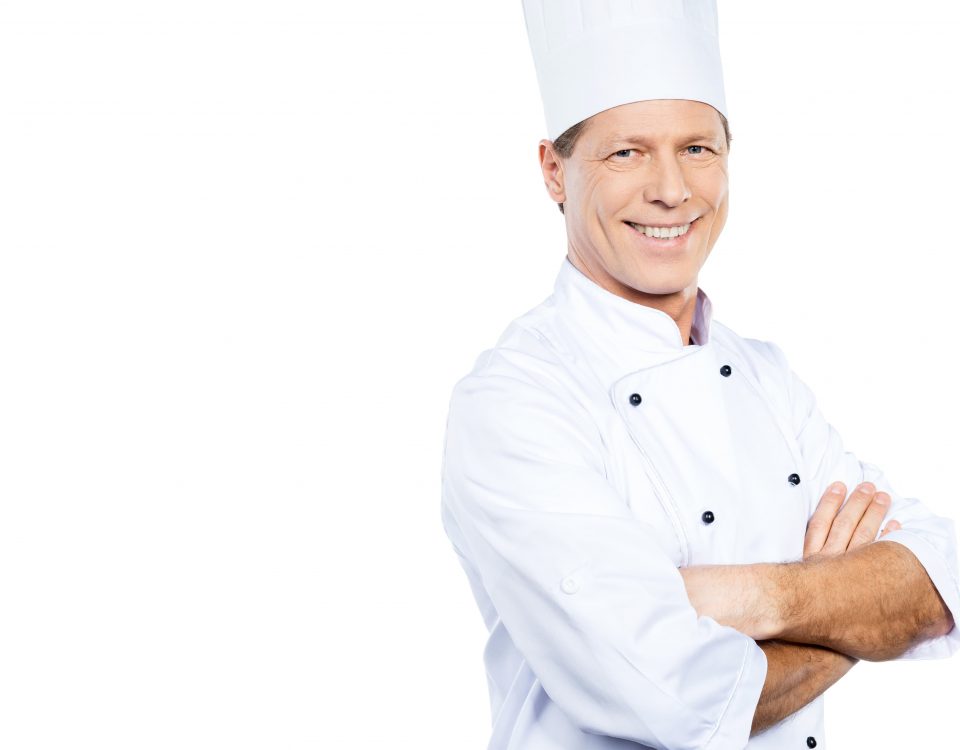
(773, 602)
(796, 608)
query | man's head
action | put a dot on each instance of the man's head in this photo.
(653, 163)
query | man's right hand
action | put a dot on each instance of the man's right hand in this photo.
(737, 595)
(830, 532)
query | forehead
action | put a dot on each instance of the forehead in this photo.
(654, 121)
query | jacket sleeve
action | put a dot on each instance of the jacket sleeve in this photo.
(589, 597)
(930, 537)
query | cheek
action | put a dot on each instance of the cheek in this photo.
(713, 190)
(719, 220)
(711, 184)
(722, 208)
(718, 188)
(610, 197)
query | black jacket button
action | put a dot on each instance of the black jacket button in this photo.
(794, 479)
(635, 398)
(725, 371)
(811, 742)
(707, 516)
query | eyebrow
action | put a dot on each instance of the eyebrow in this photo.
(640, 140)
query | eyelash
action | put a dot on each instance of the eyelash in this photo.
(693, 146)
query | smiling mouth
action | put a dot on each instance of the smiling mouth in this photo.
(662, 233)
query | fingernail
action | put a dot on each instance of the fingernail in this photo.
(882, 499)
(867, 487)
(836, 488)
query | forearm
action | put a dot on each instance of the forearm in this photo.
(796, 674)
(874, 602)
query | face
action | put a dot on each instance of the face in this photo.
(656, 164)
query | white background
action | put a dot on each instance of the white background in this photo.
(247, 248)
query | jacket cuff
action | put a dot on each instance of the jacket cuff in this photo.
(945, 581)
(733, 729)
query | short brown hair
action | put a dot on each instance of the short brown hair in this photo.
(568, 139)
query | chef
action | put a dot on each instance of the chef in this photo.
(668, 543)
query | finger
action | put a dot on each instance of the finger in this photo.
(841, 531)
(818, 527)
(892, 526)
(869, 525)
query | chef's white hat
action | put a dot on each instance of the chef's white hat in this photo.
(591, 55)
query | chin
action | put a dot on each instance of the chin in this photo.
(666, 283)
(664, 289)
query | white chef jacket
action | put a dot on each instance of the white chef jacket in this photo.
(582, 455)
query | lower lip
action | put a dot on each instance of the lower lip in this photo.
(659, 242)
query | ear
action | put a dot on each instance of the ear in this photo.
(552, 169)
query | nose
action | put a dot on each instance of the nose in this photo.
(666, 185)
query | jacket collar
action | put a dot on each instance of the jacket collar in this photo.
(620, 336)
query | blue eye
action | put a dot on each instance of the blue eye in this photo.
(625, 152)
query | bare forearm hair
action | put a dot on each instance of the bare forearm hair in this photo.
(797, 673)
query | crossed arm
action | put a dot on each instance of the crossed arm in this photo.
(817, 617)
(796, 674)
(872, 603)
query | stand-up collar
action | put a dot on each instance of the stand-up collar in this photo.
(626, 335)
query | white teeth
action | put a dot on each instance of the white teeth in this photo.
(661, 232)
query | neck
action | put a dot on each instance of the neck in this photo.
(680, 305)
